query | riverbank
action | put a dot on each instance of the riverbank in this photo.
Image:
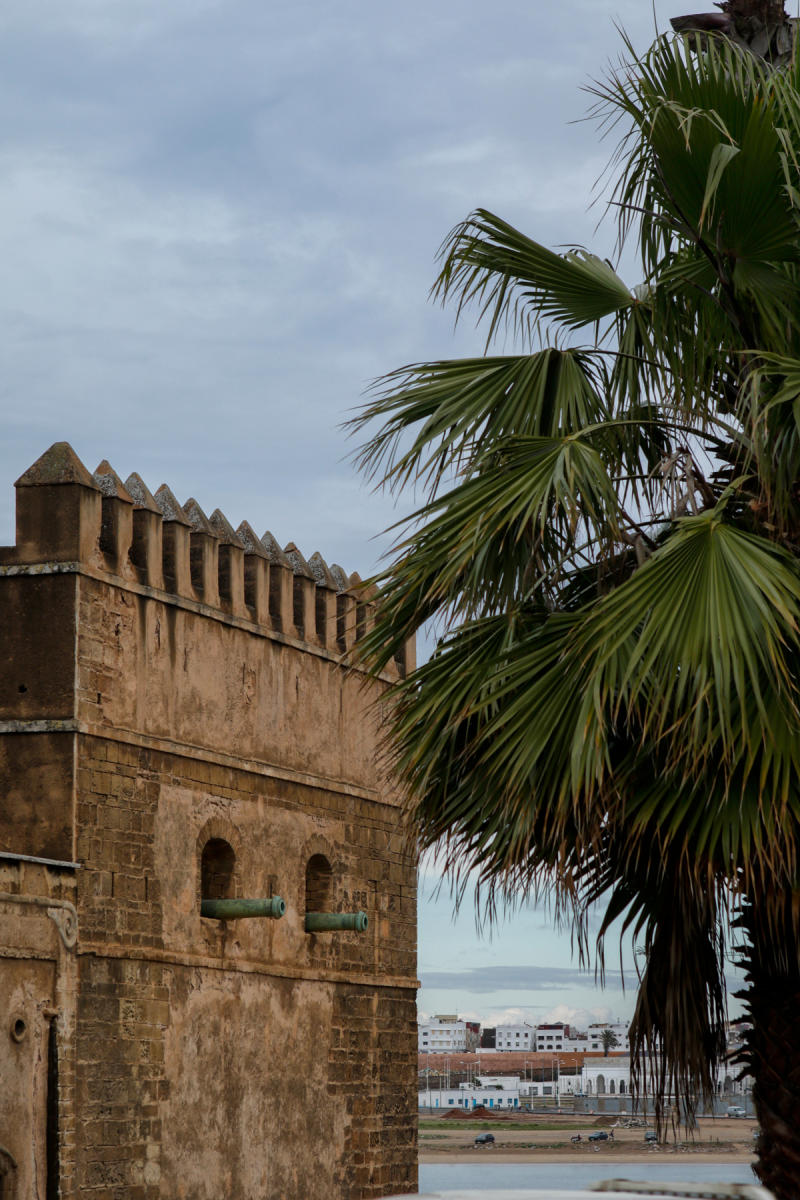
(565, 1139)
(552, 1157)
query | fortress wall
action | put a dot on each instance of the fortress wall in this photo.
(195, 677)
(244, 1058)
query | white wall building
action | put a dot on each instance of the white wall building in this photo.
(497, 1083)
(442, 1034)
(607, 1076)
(552, 1038)
(594, 1036)
(555, 1037)
(559, 1084)
(515, 1037)
(612, 1077)
(497, 1094)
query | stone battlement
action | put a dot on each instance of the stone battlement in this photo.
(67, 515)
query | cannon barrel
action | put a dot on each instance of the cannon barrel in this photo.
(227, 910)
(325, 922)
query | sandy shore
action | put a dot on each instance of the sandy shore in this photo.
(546, 1139)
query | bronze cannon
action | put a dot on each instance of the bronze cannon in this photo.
(327, 922)
(228, 910)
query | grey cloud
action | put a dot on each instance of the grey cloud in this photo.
(513, 977)
(218, 222)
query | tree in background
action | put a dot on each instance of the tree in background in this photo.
(609, 1040)
(609, 547)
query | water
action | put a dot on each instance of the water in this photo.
(563, 1177)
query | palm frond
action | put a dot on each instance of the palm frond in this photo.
(432, 416)
(507, 533)
(490, 263)
(697, 642)
(704, 147)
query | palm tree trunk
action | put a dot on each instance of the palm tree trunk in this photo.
(772, 1048)
(761, 26)
(765, 11)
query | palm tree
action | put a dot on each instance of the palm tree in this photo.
(609, 1040)
(608, 544)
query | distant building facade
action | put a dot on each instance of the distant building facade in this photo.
(594, 1035)
(500, 1092)
(552, 1037)
(442, 1034)
(515, 1037)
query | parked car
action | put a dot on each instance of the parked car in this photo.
(651, 1136)
(734, 1110)
(599, 1135)
(484, 1139)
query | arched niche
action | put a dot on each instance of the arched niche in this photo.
(319, 884)
(217, 870)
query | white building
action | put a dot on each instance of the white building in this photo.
(492, 1091)
(557, 1037)
(607, 1076)
(442, 1034)
(612, 1077)
(594, 1036)
(515, 1037)
(551, 1038)
(560, 1083)
(497, 1083)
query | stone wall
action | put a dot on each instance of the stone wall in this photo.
(169, 685)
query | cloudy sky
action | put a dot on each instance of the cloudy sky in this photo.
(218, 223)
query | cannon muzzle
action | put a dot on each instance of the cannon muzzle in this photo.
(327, 922)
(228, 910)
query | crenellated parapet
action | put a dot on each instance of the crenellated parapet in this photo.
(67, 515)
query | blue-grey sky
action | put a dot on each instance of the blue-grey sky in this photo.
(218, 223)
